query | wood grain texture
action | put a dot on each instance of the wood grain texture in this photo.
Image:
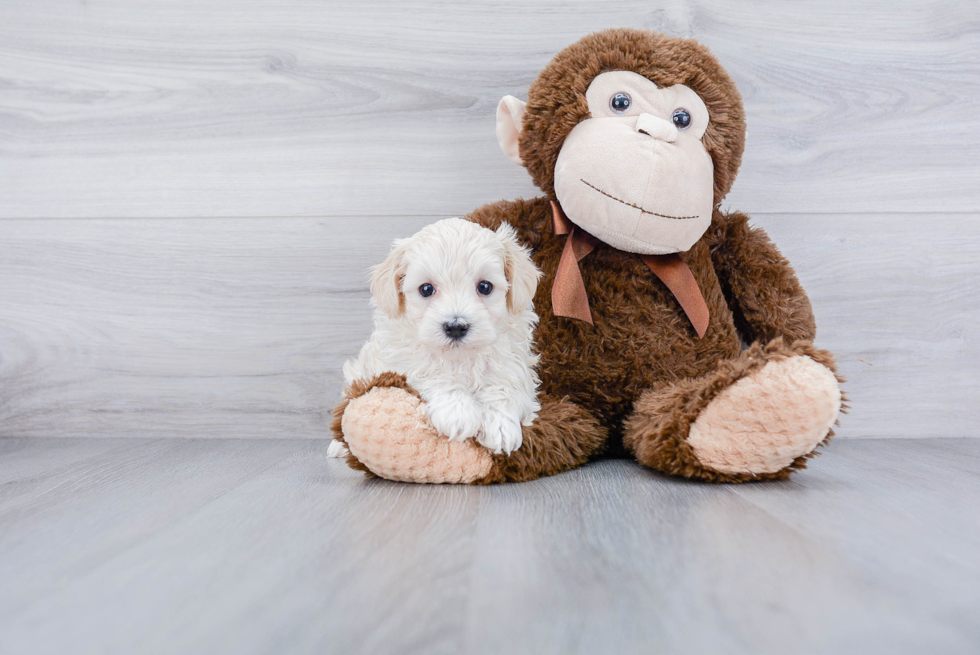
(239, 327)
(204, 546)
(113, 108)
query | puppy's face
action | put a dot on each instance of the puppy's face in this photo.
(455, 283)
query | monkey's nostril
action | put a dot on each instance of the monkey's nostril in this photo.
(455, 329)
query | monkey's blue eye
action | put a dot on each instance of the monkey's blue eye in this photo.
(621, 102)
(681, 119)
(426, 290)
(484, 288)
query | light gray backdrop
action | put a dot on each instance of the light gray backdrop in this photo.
(191, 192)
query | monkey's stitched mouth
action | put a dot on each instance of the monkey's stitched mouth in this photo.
(629, 204)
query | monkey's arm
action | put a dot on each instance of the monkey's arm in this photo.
(761, 286)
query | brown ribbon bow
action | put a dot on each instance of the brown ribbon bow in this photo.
(568, 295)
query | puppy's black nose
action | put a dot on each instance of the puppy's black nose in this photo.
(455, 329)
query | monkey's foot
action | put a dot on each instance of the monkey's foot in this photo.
(765, 421)
(756, 417)
(388, 433)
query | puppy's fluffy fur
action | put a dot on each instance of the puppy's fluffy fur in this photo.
(483, 384)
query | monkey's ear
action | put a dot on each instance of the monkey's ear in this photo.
(510, 113)
(386, 281)
(522, 275)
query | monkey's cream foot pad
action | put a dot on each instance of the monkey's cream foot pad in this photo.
(767, 419)
(387, 430)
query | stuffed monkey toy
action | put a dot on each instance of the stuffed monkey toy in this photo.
(670, 331)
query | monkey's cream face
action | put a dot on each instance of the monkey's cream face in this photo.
(635, 174)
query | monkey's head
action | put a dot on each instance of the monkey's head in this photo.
(638, 135)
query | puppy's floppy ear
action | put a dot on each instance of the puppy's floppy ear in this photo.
(522, 274)
(386, 280)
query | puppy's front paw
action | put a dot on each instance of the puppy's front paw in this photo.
(501, 432)
(456, 416)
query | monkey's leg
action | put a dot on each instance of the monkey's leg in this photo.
(387, 434)
(757, 417)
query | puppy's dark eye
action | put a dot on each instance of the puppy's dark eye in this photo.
(621, 102)
(484, 287)
(426, 290)
(681, 119)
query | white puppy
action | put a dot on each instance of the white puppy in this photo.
(453, 314)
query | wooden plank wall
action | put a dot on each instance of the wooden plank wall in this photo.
(191, 191)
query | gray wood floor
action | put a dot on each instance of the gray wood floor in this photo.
(266, 546)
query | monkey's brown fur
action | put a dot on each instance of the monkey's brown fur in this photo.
(640, 376)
